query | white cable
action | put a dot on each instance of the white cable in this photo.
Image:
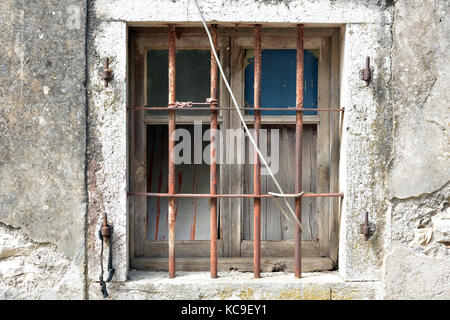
(243, 122)
(281, 195)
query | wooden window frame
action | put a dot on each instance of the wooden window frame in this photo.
(233, 251)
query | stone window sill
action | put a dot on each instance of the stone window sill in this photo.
(241, 285)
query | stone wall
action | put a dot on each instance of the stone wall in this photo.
(43, 149)
(63, 141)
(417, 257)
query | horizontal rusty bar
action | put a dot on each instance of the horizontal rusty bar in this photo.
(237, 195)
(231, 108)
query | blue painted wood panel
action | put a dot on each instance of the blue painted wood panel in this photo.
(278, 73)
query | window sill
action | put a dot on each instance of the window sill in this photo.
(241, 285)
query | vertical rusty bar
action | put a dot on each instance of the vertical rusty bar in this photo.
(171, 182)
(213, 160)
(257, 165)
(298, 151)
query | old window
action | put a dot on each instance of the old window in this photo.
(148, 141)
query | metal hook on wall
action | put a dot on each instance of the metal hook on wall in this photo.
(366, 74)
(106, 73)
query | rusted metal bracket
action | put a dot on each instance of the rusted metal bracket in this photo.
(183, 104)
(105, 236)
(105, 232)
(366, 74)
(212, 101)
(366, 228)
(106, 73)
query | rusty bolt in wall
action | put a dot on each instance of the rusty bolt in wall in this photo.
(366, 74)
(366, 228)
(106, 73)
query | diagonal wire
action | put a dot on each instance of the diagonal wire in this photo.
(245, 125)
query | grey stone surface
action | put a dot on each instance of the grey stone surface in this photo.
(240, 286)
(42, 129)
(247, 11)
(394, 157)
(421, 224)
(441, 225)
(36, 270)
(421, 98)
(416, 251)
(107, 146)
(365, 148)
(408, 276)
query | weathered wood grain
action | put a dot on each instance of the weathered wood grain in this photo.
(184, 249)
(280, 248)
(309, 264)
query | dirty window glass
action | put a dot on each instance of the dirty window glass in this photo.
(193, 220)
(278, 76)
(192, 78)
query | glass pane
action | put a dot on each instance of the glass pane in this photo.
(192, 214)
(278, 79)
(192, 78)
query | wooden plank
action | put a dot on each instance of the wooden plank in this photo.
(308, 216)
(276, 42)
(265, 180)
(284, 248)
(335, 145)
(192, 42)
(140, 181)
(224, 181)
(131, 147)
(282, 31)
(309, 168)
(184, 249)
(247, 204)
(324, 147)
(274, 224)
(313, 184)
(235, 170)
(280, 264)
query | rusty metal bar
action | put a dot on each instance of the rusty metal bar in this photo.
(232, 195)
(232, 108)
(257, 165)
(298, 152)
(213, 160)
(171, 182)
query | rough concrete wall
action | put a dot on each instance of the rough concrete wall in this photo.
(365, 148)
(417, 256)
(249, 11)
(396, 141)
(42, 158)
(235, 285)
(107, 144)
